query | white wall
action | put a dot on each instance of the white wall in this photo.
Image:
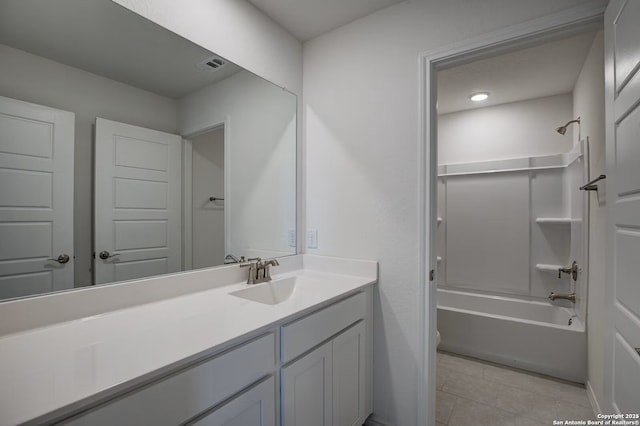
(362, 157)
(38, 80)
(513, 130)
(233, 29)
(261, 202)
(588, 103)
(239, 32)
(208, 216)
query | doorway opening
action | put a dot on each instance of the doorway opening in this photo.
(439, 256)
(207, 214)
(205, 192)
(512, 222)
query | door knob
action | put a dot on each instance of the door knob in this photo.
(571, 270)
(63, 258)
(104, 255)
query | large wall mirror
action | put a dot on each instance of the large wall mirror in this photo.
(127, 151)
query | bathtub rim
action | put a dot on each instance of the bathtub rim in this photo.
(577, 326)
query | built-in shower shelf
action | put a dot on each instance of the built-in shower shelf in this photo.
(554, 220)
(548, 268)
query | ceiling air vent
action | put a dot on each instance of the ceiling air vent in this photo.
(212, 64)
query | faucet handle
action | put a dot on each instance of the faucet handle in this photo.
(253, 269)
(252, 263)
(258, 261)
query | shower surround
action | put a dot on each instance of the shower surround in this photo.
(505, 229)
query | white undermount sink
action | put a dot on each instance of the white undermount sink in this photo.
(269, 293)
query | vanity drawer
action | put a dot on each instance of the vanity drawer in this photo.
(303, 334)
(187, 393)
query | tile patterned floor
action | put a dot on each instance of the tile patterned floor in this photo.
(473, 392)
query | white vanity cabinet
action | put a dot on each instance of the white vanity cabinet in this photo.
(349, 377)
(307, 389)
(203, 388)
(327, 386)
(254, 407)
(311, 370)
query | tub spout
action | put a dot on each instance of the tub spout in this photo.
(571, 297)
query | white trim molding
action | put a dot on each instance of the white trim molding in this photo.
(593, 400)
(562, 24)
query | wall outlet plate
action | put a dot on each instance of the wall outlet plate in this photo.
(312, 238)
(292, 238)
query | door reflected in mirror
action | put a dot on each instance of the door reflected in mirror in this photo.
(127, 151)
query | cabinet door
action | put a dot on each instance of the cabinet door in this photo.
(349, 377)
(306, 389)
(254, 407)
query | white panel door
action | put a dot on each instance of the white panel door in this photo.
(623, 199)
(36, 199)
(307, 388)
(138, 225)
(254, 407)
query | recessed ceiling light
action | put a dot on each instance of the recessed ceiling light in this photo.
(479, 97)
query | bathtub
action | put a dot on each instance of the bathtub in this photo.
(530, 335)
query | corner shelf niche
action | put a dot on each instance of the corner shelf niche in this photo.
(555, 221)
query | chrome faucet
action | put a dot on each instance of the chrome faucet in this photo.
(260, 270)
(571, 297)
(232, 259)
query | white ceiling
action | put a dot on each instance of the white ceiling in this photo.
(104, 38)
(544, 70)
(306, 19)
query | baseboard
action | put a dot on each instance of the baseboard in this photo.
(373, 421)
(514, 363)
(593, 400)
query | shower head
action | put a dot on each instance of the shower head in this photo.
(563, 129)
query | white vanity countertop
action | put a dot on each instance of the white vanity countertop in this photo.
(76, 362)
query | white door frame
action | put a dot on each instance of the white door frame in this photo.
(561, 24)
(187, 186)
